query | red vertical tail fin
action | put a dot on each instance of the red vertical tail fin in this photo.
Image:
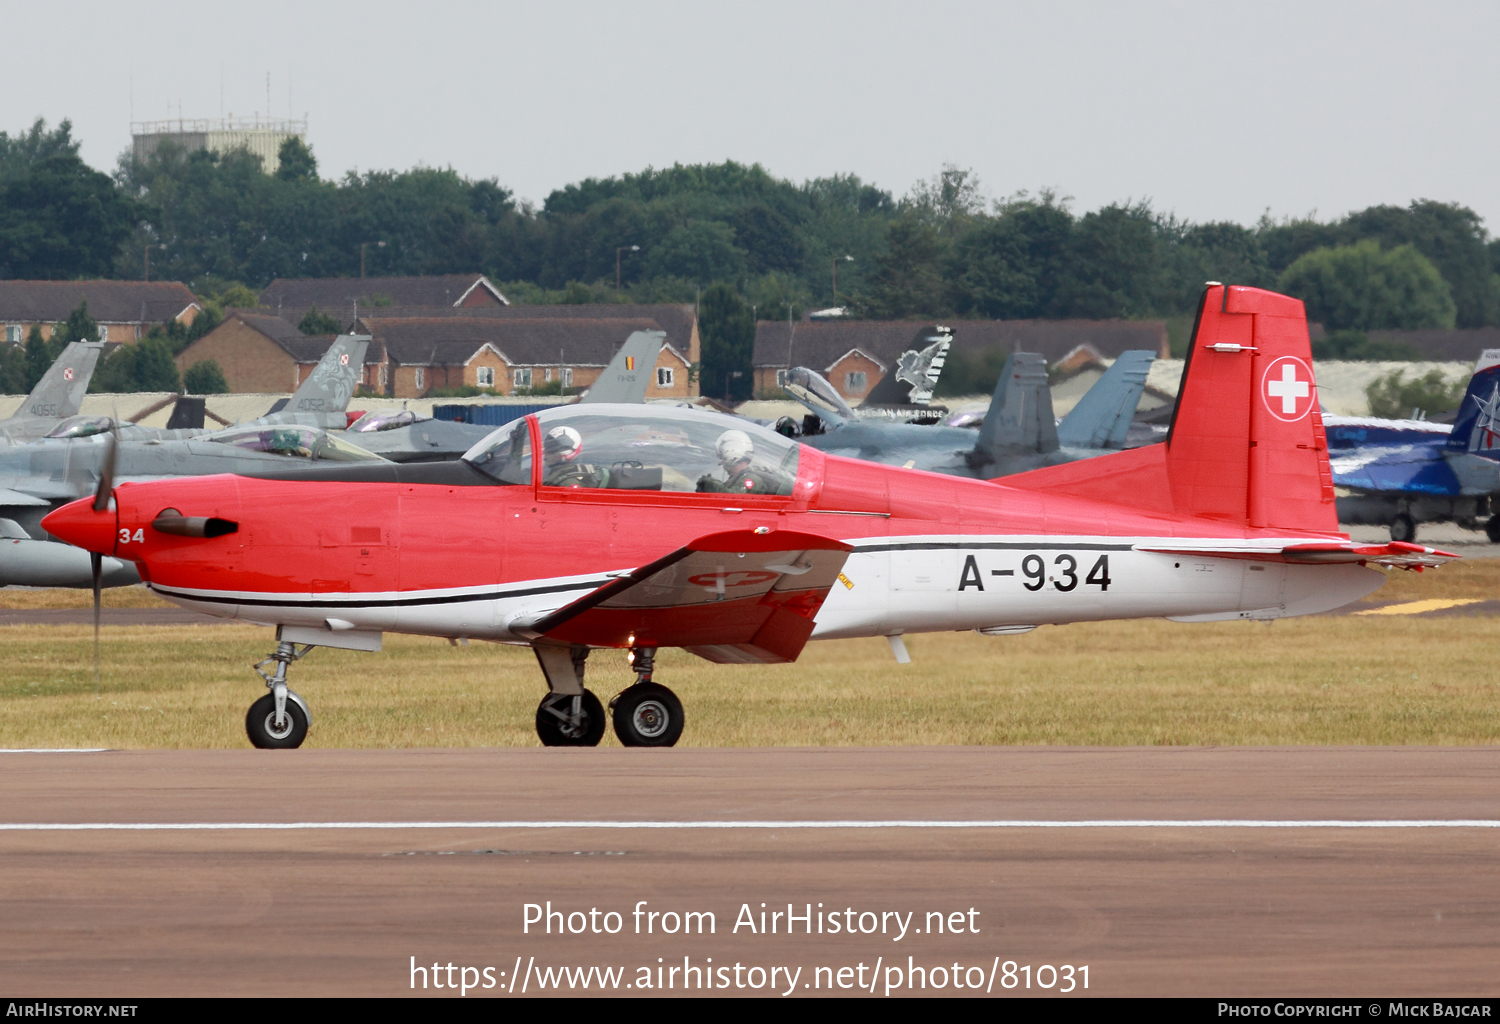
(1246, 444)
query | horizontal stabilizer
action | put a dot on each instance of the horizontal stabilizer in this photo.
(741, 594)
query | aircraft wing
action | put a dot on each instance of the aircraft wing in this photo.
(630, 372)
(737, 596)
(1421, 468)
(1396, 554)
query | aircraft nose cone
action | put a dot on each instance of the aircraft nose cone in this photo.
(78, 524)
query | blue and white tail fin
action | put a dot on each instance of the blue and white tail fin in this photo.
(1476, 428)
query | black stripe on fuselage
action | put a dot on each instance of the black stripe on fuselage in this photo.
(446, 474)
(407, 602)
(987, 546)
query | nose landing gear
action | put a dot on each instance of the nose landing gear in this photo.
(279, 720)
(646, 714)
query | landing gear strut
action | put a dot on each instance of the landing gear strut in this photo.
(279, 720)
(646, 714)
(569, 716)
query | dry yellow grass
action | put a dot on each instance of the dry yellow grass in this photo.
(1354, 680)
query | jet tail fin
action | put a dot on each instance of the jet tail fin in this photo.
(1246, 445)
(59, 393)
(1476, 428)
(916, 373)
(322, 398)
(629, 373)
(1102, 417)
(1020, 418)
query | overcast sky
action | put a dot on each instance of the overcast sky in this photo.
(1212, 111)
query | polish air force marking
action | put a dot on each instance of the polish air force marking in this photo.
(1287, 389)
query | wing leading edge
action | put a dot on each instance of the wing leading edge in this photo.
(737, 596)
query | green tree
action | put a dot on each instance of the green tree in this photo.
(38, 357)
(1011, 266)
(147, 365)
(1115, 266)
(205, 378)
(59, 218)
(315, 321)
(80, 326)
(1395, 397)
(1449, 235)
(296, 162)
(908, 279)
(728, 334)
(702, 251)
(1363, 287)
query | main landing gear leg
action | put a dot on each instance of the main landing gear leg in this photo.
(646, 714)
(569, 716)
(279, 720)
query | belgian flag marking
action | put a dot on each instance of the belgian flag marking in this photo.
(630, 362)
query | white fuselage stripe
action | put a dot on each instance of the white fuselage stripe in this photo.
(852, 823)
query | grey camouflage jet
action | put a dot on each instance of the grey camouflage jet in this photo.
(406, 436)
(1019, 431)
(321, 401)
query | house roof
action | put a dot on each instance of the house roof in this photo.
(110, 302)
(304, 348)
(333, 294)
(675, 319)
(821, 343)
(452, 341)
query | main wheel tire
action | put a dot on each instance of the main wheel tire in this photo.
(1492, 529)
(648, 715)
(1404, 528)
(553, 729)
(260, 724)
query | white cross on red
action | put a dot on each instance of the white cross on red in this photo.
(1288, 388)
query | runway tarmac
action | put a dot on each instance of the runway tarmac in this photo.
(1207, 905)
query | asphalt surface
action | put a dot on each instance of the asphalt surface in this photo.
(1192, 909)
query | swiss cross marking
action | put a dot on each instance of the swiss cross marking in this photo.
(1287, 389)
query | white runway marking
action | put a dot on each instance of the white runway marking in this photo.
(293, 826)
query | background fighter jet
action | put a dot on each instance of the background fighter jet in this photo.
(406, 436)
(1018, 433)
(57, 396)
(1404, 472)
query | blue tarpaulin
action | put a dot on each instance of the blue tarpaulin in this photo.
(491, 415)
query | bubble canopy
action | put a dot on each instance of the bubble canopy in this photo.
(293, 442)
(642, 447)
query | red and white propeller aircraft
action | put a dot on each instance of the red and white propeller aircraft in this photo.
(643, 527)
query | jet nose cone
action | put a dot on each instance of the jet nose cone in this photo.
(78, 524)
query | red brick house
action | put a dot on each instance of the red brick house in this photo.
(125, 310)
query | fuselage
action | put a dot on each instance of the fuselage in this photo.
(446, 550)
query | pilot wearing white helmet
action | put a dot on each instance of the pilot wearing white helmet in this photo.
(736, 452)
(561, 447)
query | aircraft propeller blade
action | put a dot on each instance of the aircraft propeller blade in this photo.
(107, 470)
(96, 563)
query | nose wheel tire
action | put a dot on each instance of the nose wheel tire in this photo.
(260, 724)
(1404, 528)
(560, 724)
(1492, 529)
(648, 715)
